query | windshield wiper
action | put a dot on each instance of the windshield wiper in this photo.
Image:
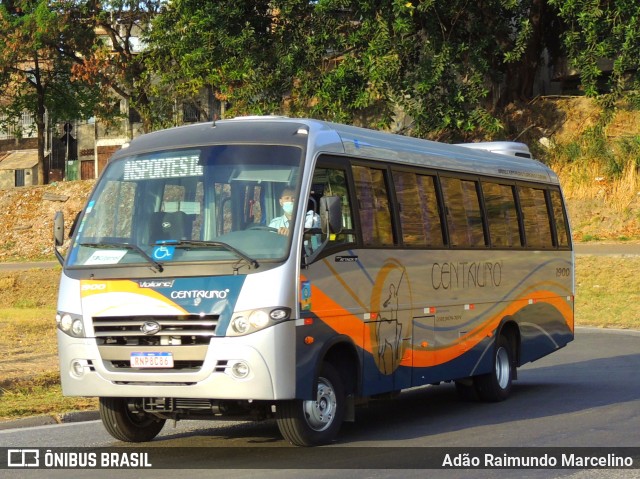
(132, 247)
(205, 244)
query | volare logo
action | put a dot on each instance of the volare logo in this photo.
(153, 283)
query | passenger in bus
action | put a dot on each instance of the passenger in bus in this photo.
(287, 201)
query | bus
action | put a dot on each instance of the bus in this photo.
(401, 263)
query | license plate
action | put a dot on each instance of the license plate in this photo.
(151, 360)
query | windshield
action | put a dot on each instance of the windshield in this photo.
(190, 205)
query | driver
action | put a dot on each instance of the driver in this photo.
(287, 201)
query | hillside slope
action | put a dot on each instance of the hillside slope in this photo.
(26, 217)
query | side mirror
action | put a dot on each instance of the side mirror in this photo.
(58, 228)
(331, 214)
(58, 234)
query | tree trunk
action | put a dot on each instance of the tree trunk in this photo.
(41, 125)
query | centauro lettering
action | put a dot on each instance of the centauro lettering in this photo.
(466, 275)
(212, 294)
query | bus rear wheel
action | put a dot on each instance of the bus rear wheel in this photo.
(125, 424)
(496, 385)
(317, 421)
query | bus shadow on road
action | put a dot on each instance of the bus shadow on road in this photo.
(431, 411)
(538, 393)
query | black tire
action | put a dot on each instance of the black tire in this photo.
(496, 385)
(314, 422)
(125, 425)
(466, 389)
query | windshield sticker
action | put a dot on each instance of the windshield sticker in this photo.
(163, 253)
(176, 167)
(109, 256)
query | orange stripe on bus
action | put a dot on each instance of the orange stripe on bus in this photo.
(347, 323)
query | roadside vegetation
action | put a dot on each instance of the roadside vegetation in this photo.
(29, 373)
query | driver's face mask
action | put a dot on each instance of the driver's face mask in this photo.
(287, 206)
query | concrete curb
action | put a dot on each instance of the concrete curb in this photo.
(48, 420)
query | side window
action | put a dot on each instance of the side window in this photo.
(373, 206)
(559, 219)
(419, 215)
(502, 215)
(462, 208)
(535, 217)
(330, 182)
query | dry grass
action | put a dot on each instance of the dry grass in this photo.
(29, 373)
(591, 182)
(600, 208)
(27, 344)
(39, 395)
(607, 292)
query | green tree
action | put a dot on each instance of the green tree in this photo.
(115, 63)
(597, 31)
(226, 46)
(40, 41)
(357, 61)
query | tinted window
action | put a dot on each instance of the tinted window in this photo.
(462, 208)
(330, 182)
(373, 206)
(559, 219)
(502, 215)
(535, 217)
(419, 215)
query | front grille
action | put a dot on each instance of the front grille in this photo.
(186, 337)
(174, 330)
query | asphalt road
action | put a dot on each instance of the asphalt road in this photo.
(585, 395)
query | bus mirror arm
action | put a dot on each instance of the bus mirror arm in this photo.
(58, 234)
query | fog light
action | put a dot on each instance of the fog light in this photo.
(240, 370)
(77, 368)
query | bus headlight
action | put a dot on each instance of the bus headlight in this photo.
(70, 324)
(240, 325)
(246, 322)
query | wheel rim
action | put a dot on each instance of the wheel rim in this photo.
(321, 412)
(503, 368)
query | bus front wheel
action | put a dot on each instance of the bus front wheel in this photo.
(124, 423)
(317, 421)
(496, 385)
